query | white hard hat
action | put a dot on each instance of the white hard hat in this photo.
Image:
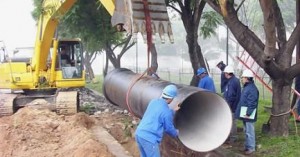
(247, 73)
(228, 69)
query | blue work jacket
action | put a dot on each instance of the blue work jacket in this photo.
(224, 81)
(249, 99)
(207, 83)
(157, 119)
(232, 93)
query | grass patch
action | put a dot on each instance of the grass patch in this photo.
(96, 84)
(87, 108)
(268, 146)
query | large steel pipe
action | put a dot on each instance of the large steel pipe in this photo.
(204, 119)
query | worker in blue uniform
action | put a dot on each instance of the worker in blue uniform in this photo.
(205, 82)
(157, 119)
(247, 110)
(232, 96)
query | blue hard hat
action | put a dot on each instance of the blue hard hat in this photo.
(169, 92)
(200, 71)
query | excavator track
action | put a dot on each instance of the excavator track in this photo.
(6, 104)
(67, 103)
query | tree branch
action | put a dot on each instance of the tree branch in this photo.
(247, 39)
(174, 8)
(125, 43)
(269, 27)
(293, 71)
(197, 12)
(214, 6)
(93, 57)
(281, 32)
(121, 43)
(126, 47)
(292, 41)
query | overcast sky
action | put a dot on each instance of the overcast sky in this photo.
(17, 28)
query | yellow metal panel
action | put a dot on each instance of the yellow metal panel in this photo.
(20, 81)
(61, 82)
(13, 67)
(109, 6)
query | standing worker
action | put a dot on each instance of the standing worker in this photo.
(157, 119)
(232, 95)
(247, 110)
(205, 82)
(224, 80)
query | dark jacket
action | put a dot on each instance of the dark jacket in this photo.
(249, 98)
(224, 80)
(232, 93)
(297, 83)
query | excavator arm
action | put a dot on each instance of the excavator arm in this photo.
(131, 15)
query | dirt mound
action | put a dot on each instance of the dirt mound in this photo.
(36, 132)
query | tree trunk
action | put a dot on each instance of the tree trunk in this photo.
(116, 59)
(90, 71)
(196, 57)
(280, 111)
(88, 66)
(191, 12)
(105, 69)
(112, 57)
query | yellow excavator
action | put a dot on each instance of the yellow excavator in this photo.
(57, 63)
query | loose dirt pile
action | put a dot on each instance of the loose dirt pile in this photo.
(42, 133)
(33, 132)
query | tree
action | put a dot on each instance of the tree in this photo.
(190, 12)
(90, 22)
(274, 55)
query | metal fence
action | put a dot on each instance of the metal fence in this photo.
(184, 76)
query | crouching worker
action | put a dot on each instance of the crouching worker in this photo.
(157, 119)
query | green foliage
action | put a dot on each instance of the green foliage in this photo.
(37, 9)
(128, 127)
(90, 22)
(211, 21)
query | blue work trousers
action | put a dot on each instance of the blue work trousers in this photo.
(147, 149)
(249, 135)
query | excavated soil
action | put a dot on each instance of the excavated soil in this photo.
(36, 132)
(42, 133)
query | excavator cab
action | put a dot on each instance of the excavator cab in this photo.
(69, 68)
(70, 59)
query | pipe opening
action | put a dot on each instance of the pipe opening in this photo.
(203, 121)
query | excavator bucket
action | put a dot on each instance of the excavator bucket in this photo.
(132, 14)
